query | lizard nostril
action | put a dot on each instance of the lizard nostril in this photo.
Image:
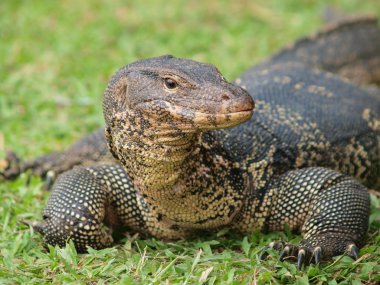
(225, 97)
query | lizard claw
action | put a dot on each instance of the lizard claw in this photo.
(302, 254)
(49, 180)
(288, 251)
(284, 253)
(317, 255)
(353, 251)
(301, 258)
(264, 253)
(276, 245)
(319, 248)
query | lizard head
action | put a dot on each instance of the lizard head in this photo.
(177, 94)
(156, 110)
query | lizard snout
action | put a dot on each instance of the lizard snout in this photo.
(237, 101)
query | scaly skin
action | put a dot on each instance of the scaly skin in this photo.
(350, 49)
(183, 172)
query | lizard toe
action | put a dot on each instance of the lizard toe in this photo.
(353, 251)
(327, 245)
(49, 180)
(312, 251)
(276, 245)
(301, 258)
(317, 255)
(289, 252)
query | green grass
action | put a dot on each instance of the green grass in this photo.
(55, 60)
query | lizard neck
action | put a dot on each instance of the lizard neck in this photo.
(179, 174)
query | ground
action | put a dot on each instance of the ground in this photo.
(55, 60)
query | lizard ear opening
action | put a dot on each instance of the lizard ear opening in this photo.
(121, 94)
(115, 98)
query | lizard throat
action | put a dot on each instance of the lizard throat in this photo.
(154, 154)
(170, 172)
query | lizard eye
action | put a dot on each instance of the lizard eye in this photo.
(170, 83)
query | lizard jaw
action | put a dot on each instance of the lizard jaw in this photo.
(187, 119)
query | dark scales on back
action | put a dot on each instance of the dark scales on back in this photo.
(183, 170)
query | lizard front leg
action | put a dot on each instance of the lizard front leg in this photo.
(88, 204)
(329, 209)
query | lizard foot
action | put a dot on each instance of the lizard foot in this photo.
(314, 249)
(10, 167)
(57, 231)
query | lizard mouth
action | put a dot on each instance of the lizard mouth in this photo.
(188, 118)
(209, 121)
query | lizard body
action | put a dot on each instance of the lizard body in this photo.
(189, 157)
